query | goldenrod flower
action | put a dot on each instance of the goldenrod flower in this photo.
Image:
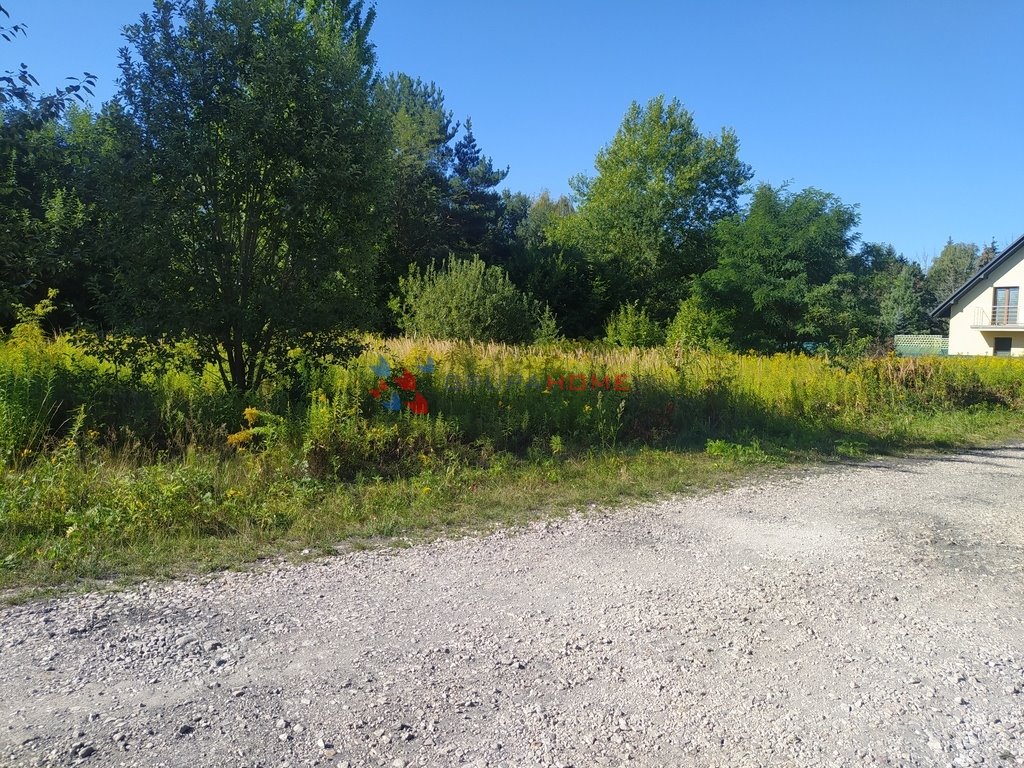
(239, 439)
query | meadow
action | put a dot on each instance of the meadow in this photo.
(119, 460)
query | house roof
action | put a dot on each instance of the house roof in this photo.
(1013, 249)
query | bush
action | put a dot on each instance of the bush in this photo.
(342, 443)
(630, 326)
(469, 300)
(697, 326)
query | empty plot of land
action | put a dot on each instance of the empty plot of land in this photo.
(859, 615)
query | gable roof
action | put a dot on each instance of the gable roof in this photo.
(1009, 252)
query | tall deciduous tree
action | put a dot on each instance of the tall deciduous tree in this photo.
(785, 273)
(50, 179)
(557, 274)
(645, 218)
(37, 211)
(252, 173)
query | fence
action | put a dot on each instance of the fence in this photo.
(919, 346)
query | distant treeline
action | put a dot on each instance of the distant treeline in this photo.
(257, 185)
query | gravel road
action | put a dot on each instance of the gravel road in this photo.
(860, 615)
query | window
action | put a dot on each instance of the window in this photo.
(1003, 345)
(1004, 306)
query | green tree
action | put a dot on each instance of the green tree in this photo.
(506, 246)
(418, 226)
(697, 325)
(631, 326)
(902, 307)
(557, 274)
(475, 204)
(40, 214)
(645, 219)
(29, 164)
(442, 197)
(50, 181)
(253, 162)
(953, 267)
(467, 299)
(895, 291)
(988, 253)
(785, 274)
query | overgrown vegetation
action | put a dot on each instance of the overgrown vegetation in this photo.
(110, 470)
(215, 257)
(466, 299)
(257, 185)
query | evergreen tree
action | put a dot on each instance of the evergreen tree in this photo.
(902, 308)
(954, 266)
(988, 253)
(475, 205)
(418, 228)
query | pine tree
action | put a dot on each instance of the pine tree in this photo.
(475, 204)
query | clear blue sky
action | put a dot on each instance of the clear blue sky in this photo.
(912, 109)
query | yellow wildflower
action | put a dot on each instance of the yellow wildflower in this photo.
(239, 439)
(250, 415)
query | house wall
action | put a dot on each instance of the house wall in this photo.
(964, 340)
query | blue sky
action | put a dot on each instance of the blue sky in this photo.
(912, 109)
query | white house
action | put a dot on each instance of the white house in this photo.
(983, 314)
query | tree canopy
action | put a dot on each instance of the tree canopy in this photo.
(645, 219)
(953, 267)
(252, 175)
(784, 273)
(257, 186)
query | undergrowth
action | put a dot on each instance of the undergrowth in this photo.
(109, 467)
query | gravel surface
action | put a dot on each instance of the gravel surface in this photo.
(861, 615)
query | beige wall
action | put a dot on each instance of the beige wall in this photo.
(964, 340)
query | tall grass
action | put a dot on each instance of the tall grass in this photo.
(28, 408)
(102, 463)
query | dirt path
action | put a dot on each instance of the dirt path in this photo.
(865, 615)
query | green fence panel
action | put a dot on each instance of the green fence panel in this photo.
(908, 345)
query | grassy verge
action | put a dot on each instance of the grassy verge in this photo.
(123, 466)
(75, 519)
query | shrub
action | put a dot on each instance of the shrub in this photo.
(469, 300)
(697, 326)
(630, 326)
(341, 443)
